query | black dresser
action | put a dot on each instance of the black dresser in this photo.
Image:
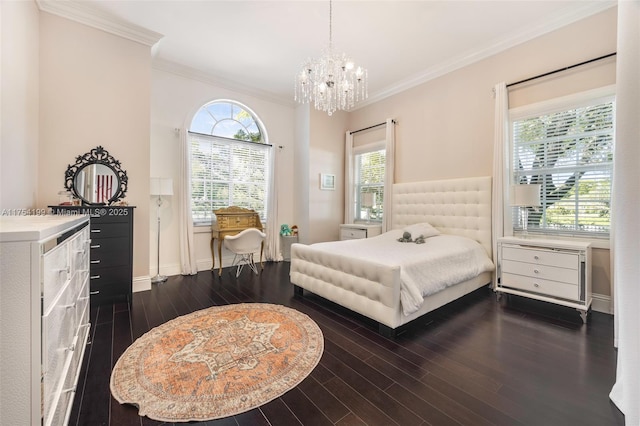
(111, 255)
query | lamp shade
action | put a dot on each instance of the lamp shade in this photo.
(368, 199)
(525, 195)
(161, 186)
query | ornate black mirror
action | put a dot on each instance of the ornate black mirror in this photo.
(96, 178)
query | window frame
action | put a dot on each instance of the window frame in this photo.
(592, 97)
(357, 185)
(232, 144)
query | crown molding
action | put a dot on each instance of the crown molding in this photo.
(85, 14)
(527, 34)
(209, 78)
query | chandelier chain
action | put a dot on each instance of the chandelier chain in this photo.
(330, 24)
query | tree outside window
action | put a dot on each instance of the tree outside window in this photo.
(370, 173)
(570, 154)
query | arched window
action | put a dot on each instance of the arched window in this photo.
(229, 160)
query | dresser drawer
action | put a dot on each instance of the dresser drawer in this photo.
(352, 233)
(110, 252)
(569, 276)
(58, 331)
(236, 221)
(541, 257)
(541, 286)
(106, 283)
(109, 230)
(57, 272)
(78, 253)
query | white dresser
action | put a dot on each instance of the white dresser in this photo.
(551, 270)
(353, 231)
(44, 316)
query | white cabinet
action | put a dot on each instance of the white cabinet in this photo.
(353, 231)
(551, 270)
(44, 316)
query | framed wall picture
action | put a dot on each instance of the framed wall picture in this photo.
(327, 181)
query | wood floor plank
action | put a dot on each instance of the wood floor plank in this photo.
(366, 387)
(121, 414)
(323, 399)
(475, 361)
(304, 409)
(96, 395)
(278, 414)
(359, 405)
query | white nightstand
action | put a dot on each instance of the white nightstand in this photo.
(354, 231)
(550, 270)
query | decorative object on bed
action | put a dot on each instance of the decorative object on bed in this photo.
(394, 286)
(230, 221)
(424, 230)
(243, 245)
(217, 362)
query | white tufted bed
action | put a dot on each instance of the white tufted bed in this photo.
(458, 207)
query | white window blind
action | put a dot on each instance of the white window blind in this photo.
(227, 172)
(570, 154)
(369, 178)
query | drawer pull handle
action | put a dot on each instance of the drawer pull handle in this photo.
(79, 251)
(95, 277)
(68, 390)
(536, 257)
(73, 305)
(536, 285)
(95, 246)
(93, 293)
(94, 261)
(83, 298)
(97, 231)
(535, 271)
(71, 348)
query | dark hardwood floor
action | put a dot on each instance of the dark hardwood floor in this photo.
(474, 362)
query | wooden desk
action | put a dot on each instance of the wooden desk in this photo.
(230, 221)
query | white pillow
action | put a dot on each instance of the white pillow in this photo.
(421, 229)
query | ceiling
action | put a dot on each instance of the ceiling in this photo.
(259, 46)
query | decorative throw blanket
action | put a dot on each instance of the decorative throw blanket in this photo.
(425, 269)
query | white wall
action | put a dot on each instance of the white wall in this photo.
(95, 90)
(19, 92)
(326, 154)
(174, 100)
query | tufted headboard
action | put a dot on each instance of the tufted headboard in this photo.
(453, 206)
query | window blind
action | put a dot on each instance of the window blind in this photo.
(369, 176)
(227, 172)
(570, 154)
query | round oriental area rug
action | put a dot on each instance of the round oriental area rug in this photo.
(217, 362)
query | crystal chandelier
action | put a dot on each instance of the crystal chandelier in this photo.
(331, 82)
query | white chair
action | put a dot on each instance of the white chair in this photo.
(243, 245)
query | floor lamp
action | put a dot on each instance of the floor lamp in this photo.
(160, 187)
(523, 197)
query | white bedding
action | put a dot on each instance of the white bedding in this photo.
(425, 269)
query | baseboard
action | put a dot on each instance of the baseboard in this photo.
(602, 303)
(141, 283)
